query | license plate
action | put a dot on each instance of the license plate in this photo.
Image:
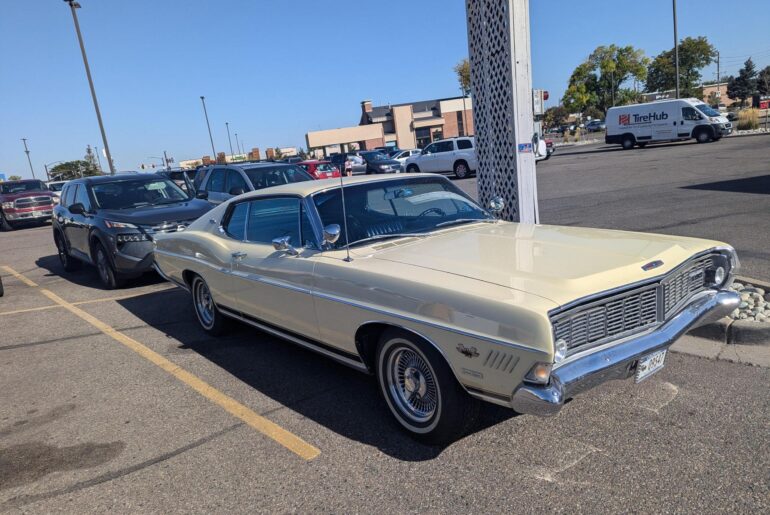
(650, 364)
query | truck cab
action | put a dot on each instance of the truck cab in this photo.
(24, 201)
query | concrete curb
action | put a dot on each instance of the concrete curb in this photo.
(756, 355)
(737, 332)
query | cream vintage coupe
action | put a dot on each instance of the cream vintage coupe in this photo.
(443, 303)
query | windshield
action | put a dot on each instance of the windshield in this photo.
(21, 187)
(138, 193)
(397, 207)
(324, 167)
(703, 108)
(374, 156)
(267, 176)
(56, 186)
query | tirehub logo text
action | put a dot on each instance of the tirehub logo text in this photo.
(635, 119)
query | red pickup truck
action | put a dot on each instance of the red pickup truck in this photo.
(24, 201)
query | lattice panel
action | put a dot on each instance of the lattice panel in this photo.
(489, 42)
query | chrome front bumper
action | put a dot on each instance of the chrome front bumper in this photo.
(619, 361)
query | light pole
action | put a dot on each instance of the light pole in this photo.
(26, 151)
(75, 5)
(676, 51)
(98, 159)
(227, 124)
(238, 144)
(206, 114)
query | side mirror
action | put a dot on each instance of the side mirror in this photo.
(284, 244)
(202, 195)
(237, 191)
(331, 234)
(496, 205)
(77, 209)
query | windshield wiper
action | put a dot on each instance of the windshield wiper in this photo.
(467, 220)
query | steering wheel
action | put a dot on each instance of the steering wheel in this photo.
(436, 210)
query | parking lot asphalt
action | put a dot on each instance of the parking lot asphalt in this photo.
(717, 190)
(116, 400)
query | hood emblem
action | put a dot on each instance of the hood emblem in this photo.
(652, 265)
(469, 352)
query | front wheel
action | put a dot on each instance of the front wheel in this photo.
(421, 391)
(703, 137)
(211, 319)
(5, 225)
(110, 278)
(461, 170)
(412, 169)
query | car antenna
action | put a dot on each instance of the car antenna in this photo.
(345, 220)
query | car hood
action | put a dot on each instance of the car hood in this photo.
(561, 264)
(150, 215)
(8, 197)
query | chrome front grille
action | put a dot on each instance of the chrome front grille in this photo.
(622, 314)
(32, 202)
(685, 282)
(608, 319)
(166, 227)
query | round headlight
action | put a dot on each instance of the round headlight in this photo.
(560, 350)
(719, 275)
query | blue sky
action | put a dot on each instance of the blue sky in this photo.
(276, 69)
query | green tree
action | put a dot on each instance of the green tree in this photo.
(597, 81)
(763, 81)
(594, 113)
(14, 178)
(90, 158)
(555, 116)
(73, 169)
(694, 55)
(463, 71)
(745, 84)
(277, 153)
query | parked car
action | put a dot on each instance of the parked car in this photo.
(291, 160)
(223, 182)
(55, 188)
(377, 162)
(595, 126)
(402, 155)
(456, 155)
(664, 120)
(388, 151)
(182, 177)
(111, 222)
(24, 202)
(358, 164)
(319, 169)
(441, 301)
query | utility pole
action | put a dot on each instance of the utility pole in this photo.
(503, 120)
(719, 79)
(73, 6)
(165, 160)
(676, 51)
(206, 114)
(238, 144)
(26, 151)
(98, 159)
(227, 124)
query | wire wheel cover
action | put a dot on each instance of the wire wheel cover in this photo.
(412, 385)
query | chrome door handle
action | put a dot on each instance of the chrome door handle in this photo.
(238, 255)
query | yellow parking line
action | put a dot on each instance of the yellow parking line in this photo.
(20, 277)
(28, 310)
(270, 429)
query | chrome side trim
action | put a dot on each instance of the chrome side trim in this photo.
(269, 281)
(358, 365)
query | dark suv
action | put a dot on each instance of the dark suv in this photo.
(110, 222)
(223, 182)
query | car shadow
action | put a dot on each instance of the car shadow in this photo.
(759, 184)
(87, 275)
(341, 399)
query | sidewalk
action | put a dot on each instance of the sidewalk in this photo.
(757, 355)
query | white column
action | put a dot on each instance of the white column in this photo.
(501, 85)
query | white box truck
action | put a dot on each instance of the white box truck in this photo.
(664, 120)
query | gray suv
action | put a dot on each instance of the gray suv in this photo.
(223, 182)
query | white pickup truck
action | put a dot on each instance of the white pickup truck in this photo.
(456, 155)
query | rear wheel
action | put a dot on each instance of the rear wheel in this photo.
(67, 262)
(412, 169)
(210, 318)
(421, 391)
(461, 170)
(111, 280)
(628, 142)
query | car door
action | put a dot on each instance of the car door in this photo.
(427, 161)
(78, 225)
(216, 186)
(690, 119)
(445, 156)
(236, 183)
(275, 286)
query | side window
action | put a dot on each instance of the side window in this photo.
(689, 113)
(464, 144)
(68, 195)
(235, 180)
(81, 197)
(444, 146)
(216, 182)
(273, 218)
(236, 224)
(430, 149)
(306, 230)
